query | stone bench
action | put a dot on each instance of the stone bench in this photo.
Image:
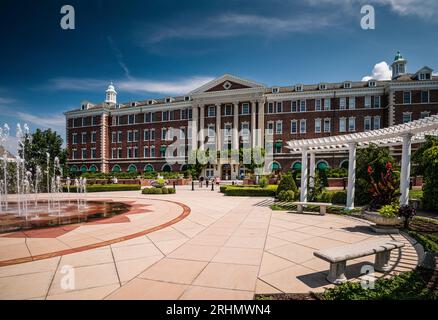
(339, 256)
(322, 206)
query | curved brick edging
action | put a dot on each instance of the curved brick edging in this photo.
(183, 215)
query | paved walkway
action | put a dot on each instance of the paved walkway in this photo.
(226, 248)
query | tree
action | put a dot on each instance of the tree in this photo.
(430, 187)
(36, 147)
(287, 183)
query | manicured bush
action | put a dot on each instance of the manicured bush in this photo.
(339, 197)
(286, 196)
(163, 190)
(326, 197)
(263, 182)
(107, 187)
(250, 192)
(287, 183)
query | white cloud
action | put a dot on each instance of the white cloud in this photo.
(237, 24)
(132, 85)
(6, 100)
(381, 71)
(55, 122)
(435, 74)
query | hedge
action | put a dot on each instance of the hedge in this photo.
(163, 190)
(234, 191)
(107, 187)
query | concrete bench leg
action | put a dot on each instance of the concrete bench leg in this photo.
(382, 261)
(337, 272)
(322, 210)
(300, 209)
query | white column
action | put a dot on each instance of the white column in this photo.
(235, 145)
(405, 169)
(261, 120)
(201, 127)
(304, 160)
(218, 128)
(312, 170)
(253, 124)
(194, 129)
(351, 175)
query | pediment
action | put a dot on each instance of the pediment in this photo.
(227, 82)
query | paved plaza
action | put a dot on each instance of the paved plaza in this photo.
(190, 245)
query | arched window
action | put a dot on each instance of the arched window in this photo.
(344, 164)
(84, 168)
(116, 169)
(132, 168)
(149, 168)
(73, 169)
(184, 167)
(275, 166)
(296, 166)
(166, 168)
(93, 168)
(322, 165)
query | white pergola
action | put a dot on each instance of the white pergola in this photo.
(404, 135)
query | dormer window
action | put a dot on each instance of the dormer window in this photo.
(347, 85)
(133, 104)
(186, 98)
(372, 83)
(275, 90)
(299, 87)
(169, 100)
(322, 86)
(84, 107)
(152, 102)
(227, 85)
(424, 76)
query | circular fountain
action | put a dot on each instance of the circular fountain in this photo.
(23, 205)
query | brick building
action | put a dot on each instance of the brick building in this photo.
(135, 136)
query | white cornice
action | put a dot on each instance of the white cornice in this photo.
(226, 77)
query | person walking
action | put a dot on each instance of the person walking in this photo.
(201, 181)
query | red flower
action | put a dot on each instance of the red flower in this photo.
(370, 170)
(389, 166)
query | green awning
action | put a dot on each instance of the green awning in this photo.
(132, 169)
(163, 148)
(116, 169)
(93, 168)
(322, 166)
(84, 169)
(278, 144)
(276, 166)
(149, 168)
(74, 169)
(296, 166)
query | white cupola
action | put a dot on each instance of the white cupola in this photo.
(111, 94)
(399, 66)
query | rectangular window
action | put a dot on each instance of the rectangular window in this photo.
(327, 104)
(424, 96)
(93, 153)
(294, 107)
(93, 137)
(343, 103)
(152, 134)
(270, 127)
(211, 131)
(146, 135)
(95, 120)
(120, 153)
(367, 123)
(114, 137)
(303, 126)
(407, 117)
(293, 127)
(342, 125)
(279, 107)
(147, 117)
(182, 133)
(245, 108)
(153, 152)
(318, 105)
(211, 111)
(74, 138)
(163, 133)
(131, 119)
(135, 152)
(352, 124)
(317, 125)
(303, 106)
(183, 114)
(376, 122)
(146, 153)
(228, 110)
(119, 136)
(113, 153)
(136, 136)
(165, 116)
(279, 127)
(270, 107)
(377, 102)
(352, 103)
(407, 97)
(327, 125)
(129, 154)
(130, 136)
(368, 102)
(84, 153)
(74, 154)
(84, 137)
(424, 114)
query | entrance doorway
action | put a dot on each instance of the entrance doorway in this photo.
(226, 172)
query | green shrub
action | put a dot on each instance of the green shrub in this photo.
(263, 182)
(326, 197)
(428, 241)
(389, 211)
(287, 183)
(223, 188)
(339, 197)
(162, 190)
(286, 196)
(107, 187)
(250, 191)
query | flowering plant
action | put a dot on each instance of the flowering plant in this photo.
(384, 190)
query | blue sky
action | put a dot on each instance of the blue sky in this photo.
(163, 48)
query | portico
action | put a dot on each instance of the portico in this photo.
(401, 135)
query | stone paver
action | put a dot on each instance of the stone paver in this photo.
(223, 250)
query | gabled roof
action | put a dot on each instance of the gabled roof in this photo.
(425, 69)
(243, 83)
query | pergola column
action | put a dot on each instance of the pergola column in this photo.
(405, 169)
(351, 175)
(201, 127)
(304, 153)
(312, 168)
